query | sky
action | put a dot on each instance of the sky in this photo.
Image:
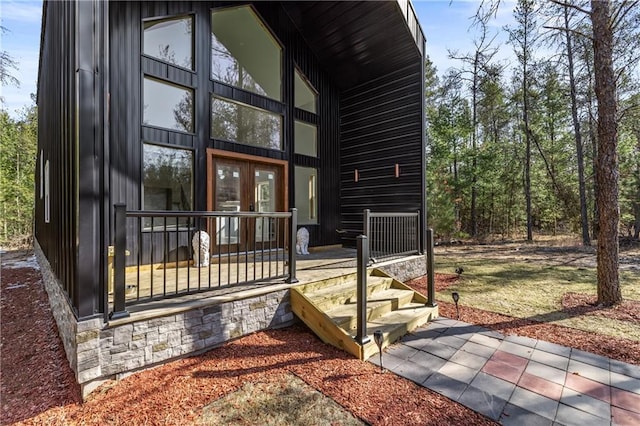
(446, 25)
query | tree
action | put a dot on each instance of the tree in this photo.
(584, 220)
(17, 162)
(523, 38)
(607, 161)
(7, 63)
(477, 63)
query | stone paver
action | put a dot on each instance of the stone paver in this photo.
(547, 358)
(517, 381)
(586, 403)
(547, 372)
(483, 402)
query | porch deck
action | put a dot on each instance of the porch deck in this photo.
(321, 264)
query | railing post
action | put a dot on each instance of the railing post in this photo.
(361, 304)
(431, 282)
(293, 230)
(120, 243)
(366, 223)
(419, 243)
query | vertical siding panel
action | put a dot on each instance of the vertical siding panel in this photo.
(382, 126)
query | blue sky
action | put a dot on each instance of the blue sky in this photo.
(444, 22)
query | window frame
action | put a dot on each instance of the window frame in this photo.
(192, 151)
(246, 105)
(268, 30)
(177, 85)
(194, 57)
(311, 87)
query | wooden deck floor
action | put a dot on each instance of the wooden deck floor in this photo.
(148, 282)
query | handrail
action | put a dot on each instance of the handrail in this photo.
(392, 233)
(233, 248)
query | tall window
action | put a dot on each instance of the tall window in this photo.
(244, 124)
(305, 139)
(167, 105)
(306, 179)
(305, 96)
(244, 53)
(167, 180)
(170, 40)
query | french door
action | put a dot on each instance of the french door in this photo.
(242, 183)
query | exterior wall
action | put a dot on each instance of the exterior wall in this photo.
(382, 125)
(70, 93)
(97, 351)
(127, 68)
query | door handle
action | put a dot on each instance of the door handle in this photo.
(252, 208)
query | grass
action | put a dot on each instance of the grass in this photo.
(525, 290)
(285, 400)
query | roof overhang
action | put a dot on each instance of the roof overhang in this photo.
(357, 41)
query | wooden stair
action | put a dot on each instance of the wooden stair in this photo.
(328, 307)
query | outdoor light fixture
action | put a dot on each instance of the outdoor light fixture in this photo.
(377, 337)
(456, 297)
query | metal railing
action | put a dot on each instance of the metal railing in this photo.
(163, 254)
(392, 234)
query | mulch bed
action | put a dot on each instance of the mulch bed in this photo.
(38, 387)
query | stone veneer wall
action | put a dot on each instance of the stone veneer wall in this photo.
(97, 351)
(406, 270)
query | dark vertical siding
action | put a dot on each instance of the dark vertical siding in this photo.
(69, 128)
(127, 68)
(381, 126)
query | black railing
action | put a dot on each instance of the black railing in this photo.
(163, 254)
(392, 234)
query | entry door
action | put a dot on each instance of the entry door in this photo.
(246, 186)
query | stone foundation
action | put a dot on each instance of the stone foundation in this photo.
(406, 269)
(98, 351)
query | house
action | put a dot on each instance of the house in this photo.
(247, 109)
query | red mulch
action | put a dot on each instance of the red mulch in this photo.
(37, 386)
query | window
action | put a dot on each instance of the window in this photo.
(305, 96)
(306, 195)
(167, 105)
(244, 124)
(305, 139)
(170, 40)
(243, 52)
(167, 181)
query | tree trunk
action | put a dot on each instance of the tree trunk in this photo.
(527, 161)
(474, 196)
(584, 219)
(607, 162)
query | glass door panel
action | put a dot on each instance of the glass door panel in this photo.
(228, 199)
(241, 185)
(264, 189)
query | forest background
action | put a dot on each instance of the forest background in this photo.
(512, 148)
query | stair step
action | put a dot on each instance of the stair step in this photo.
(328, 297)
(329, 308)
(378, 304)
(396, 324)
(319, 285)
(346, 316)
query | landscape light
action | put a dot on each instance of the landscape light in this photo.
(377, 337)
(456, 297)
